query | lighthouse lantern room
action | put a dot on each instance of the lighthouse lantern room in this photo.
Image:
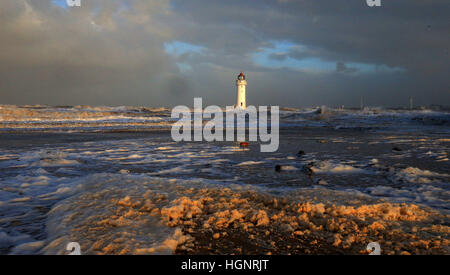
(241, 83)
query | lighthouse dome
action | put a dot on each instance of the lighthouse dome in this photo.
(241, 76)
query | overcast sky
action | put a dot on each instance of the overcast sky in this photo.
(166, 52)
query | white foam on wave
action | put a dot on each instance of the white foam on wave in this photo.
(88, 118)
(250, 162)
(83, 118)
(416, 175)
(419, 194)
(174, 170)
(335, 168)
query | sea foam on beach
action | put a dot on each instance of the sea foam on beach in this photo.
(364, 176)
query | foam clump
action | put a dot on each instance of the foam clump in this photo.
(212, 211)
(168, 246)
(416, 175)
(186, 216)
(335, 168)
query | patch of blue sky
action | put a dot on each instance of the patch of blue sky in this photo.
(307, 64)
(264, 58)
(372, 68)
(60, 3)
(177, 48)
(94, 8)
(282, 48)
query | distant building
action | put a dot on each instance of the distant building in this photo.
(241, 83)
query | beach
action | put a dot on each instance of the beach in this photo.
(112, 179)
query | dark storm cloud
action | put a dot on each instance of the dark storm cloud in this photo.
(295, 52)
(96, 54)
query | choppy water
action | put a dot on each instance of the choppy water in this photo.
(45, 177)
(86, 118)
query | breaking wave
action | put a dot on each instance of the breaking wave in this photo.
(88, 118)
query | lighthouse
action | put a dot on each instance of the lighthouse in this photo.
(241, 83)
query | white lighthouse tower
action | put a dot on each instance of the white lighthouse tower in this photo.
(240, 94)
